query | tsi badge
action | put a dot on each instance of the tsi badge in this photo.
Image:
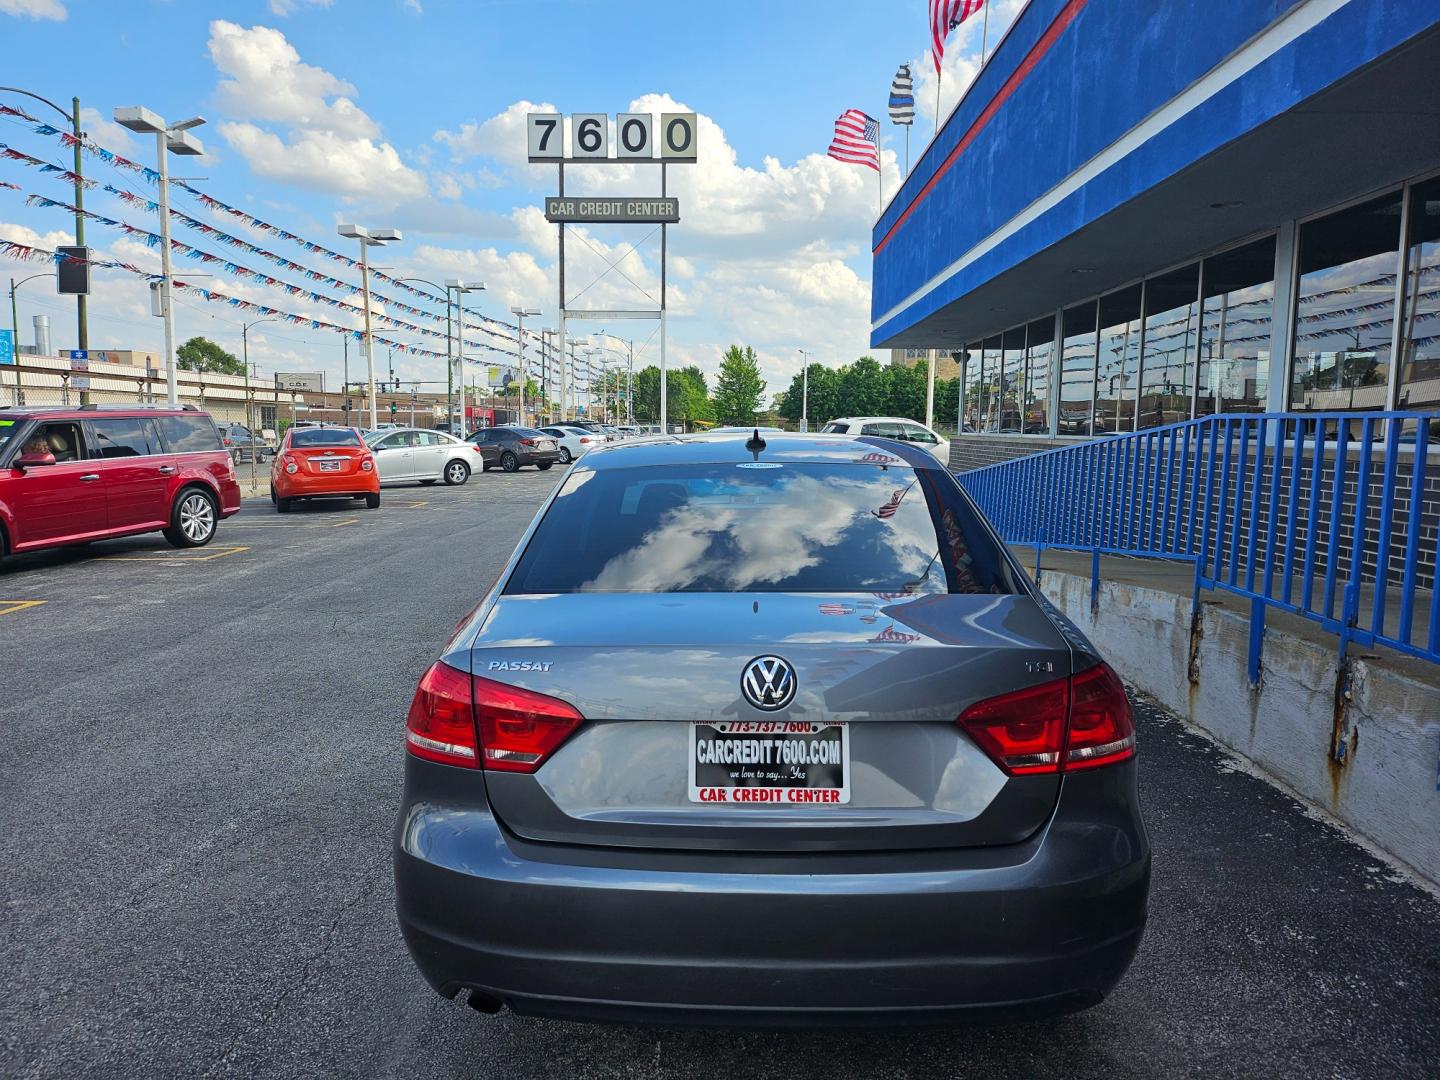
(768, 683)
(520, 665)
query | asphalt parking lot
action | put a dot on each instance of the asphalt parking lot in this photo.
(200, 765)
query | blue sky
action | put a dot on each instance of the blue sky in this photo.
(410, 112)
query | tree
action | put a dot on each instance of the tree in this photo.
(862, 388)
(202, 354)
(739, 387)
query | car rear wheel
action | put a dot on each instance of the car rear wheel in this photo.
(509, 462)
(543, 465)
(282, 506)
(192, 520)
(565, 457)
(372, 501)
(456, 473)
(235, 456)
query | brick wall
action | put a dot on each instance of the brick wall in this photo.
(977, 451)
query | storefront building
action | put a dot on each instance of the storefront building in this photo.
(1144, 212)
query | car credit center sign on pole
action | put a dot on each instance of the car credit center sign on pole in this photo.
(637, 139)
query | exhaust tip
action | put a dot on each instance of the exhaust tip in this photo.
(485, 1003)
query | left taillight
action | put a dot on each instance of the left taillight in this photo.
(441, 724)
(1079, 722)
(367, 464)
(457, 719)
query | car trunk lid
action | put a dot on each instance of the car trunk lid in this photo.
(655, 674)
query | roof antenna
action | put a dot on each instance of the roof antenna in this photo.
(755, 444)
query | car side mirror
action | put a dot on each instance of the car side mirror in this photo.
(32, 461)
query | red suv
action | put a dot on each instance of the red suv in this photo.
(70, 476)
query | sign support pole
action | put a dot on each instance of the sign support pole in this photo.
(664, 256)
(561, 326)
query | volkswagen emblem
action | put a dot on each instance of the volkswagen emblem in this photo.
(768, 683)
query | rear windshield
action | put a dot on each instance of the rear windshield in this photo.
(325, 437)
(761, 527)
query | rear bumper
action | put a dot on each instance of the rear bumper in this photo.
(1046, 926)
(539, 457)
(327, 486)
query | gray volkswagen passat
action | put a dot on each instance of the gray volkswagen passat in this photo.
(769, 731)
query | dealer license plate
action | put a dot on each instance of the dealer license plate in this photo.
(781, 762)
(329, 466)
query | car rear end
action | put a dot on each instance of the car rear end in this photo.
(536, 447)
(779, 738)
(324, 462)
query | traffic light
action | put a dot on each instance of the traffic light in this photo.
(394, 408)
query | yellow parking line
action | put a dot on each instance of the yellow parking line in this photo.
(176, 557)
(323, 524)
(10, 607)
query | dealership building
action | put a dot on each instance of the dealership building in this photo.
(1143, 212)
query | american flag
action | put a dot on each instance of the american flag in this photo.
(857, 139)
(891, 635)
(836, 609)
(888, 510)
(902, 98)
(945, 15)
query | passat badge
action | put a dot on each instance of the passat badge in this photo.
(768, 683)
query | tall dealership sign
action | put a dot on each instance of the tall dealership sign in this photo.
(635, 138)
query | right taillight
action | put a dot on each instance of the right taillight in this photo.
(1102, 729)
(1078, 722)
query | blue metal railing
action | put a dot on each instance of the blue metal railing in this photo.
(1330, 516)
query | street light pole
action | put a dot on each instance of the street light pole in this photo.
(521, 314)
(249, 400)
(15, 328)
(805, 392)
(369, 238)
(169, 139)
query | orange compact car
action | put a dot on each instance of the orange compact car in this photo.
(323, 463)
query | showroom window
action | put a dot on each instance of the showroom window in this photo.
(1077, 370)
(1171, 333)
(1345, 311)
(990, 386)
(1235, 330)
(1035, 404)
(1118, 369)
(970, 388)
(1012, 381)
(1420, 372)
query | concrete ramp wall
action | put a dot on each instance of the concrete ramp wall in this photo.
(1371, 759)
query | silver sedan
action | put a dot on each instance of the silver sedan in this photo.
(412, 455)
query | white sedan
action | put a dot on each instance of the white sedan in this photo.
(416, 454)
(891, 427)
(573, 441)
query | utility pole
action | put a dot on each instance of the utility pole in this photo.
(82, 314)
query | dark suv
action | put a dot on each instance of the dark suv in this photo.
(512, 447)
(242, 444)
(69, 476)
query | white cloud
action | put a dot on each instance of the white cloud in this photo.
(35, 9)
(110, 134)
(412, 6)
(289, 7)
(330, 143)
(324, 161)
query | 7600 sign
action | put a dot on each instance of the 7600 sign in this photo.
(635, 135)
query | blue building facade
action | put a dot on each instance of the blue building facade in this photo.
(1144, 211)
